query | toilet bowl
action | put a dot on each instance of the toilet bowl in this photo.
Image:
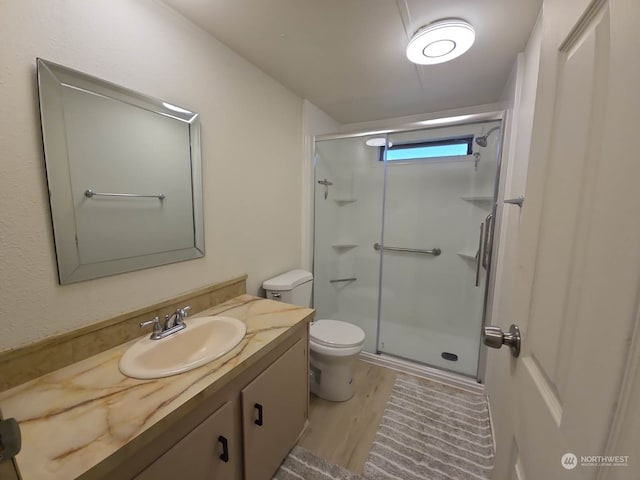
(334, 346)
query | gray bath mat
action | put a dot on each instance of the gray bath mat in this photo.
(302, 464)
(431, 432)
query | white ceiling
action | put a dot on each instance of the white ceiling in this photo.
(348, 56)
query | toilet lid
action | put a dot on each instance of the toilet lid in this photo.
(335, 333)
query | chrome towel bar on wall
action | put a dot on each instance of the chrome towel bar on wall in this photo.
(90, 194)
(434, 251)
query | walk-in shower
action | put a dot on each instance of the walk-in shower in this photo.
(402, 239)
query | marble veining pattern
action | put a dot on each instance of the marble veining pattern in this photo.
(76, 417)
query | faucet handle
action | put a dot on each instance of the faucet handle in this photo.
(183, 311)
(155, 321)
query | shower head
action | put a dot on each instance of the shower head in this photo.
(482, 141)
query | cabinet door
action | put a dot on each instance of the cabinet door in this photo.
(8, 470)
(199, 455)
(274, 411)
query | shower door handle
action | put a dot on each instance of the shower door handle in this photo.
(488, 240)
(479, 254)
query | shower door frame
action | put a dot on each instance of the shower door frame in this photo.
(458, 120)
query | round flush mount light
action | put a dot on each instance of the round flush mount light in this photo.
(440, 41)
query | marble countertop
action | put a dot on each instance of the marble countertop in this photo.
(77, 417)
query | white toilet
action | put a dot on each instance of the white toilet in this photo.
(334, 345)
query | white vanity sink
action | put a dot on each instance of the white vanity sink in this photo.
(202, 341)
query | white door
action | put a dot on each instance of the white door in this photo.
(574, 389)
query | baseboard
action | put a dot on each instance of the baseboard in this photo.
(446, 378)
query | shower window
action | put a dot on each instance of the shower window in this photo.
(451, 147)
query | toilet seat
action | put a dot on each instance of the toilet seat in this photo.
(336, 334)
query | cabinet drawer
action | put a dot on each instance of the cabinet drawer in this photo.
(274, 411)
(198, 455)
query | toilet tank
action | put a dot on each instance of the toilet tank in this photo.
(292, 287)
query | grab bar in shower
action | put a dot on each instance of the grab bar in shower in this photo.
(337, 280)
(90, 194)
(434, 251)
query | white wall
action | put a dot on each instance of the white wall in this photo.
(251, 152)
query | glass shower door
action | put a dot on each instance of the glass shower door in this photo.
(348, 200)
(439, 190)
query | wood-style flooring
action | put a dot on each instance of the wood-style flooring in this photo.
(342, 432)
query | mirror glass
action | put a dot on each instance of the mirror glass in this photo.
(124, 176)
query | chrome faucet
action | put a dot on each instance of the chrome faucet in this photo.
(172, 323)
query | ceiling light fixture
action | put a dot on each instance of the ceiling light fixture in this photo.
(440, 41)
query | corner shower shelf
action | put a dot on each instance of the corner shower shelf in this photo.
(486, 199)
(467, 255)
(344, 200)
(344, 245)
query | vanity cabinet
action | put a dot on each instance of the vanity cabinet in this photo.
(274, 411)
(212, 451)
(245, 430)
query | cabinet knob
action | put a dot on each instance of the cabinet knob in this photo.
(259, 420)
